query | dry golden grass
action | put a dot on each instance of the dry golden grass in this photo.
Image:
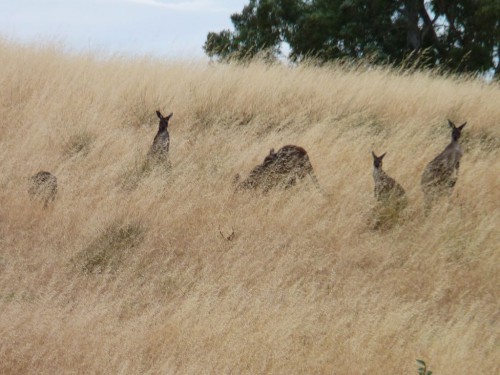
(127, 272)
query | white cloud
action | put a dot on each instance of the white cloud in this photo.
(183, 5)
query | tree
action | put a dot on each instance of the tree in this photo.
(462, 36)
(257, 28)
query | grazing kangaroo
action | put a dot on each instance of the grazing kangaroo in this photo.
(159, 149)
(441, 174)
(283, 168)
(43, 185)
(387, 190)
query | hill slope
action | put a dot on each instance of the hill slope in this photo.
(127, 272)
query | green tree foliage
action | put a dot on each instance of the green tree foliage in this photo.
(257, 28)
(463, 36)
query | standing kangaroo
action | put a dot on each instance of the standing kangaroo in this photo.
(441, 174)
(387, 190)
(43, 185)
(159, 149)
(283, 168)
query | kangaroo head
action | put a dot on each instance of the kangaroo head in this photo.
(270, 157)
(456, 130)
(377, 160)
(163, 121)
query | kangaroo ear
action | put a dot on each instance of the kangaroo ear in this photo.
(462, 126)
(170, 115)
(373, 154)
(452, 125)
(159, 115)
(382, 156)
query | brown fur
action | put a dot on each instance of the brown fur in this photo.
(387, 190)
(280, 169)
(390, 195)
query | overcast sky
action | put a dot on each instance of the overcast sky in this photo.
(176, 28)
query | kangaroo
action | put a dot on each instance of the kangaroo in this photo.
(159, 149)
(43, 185)
(283, 168)
(387, 190)
(441, 174)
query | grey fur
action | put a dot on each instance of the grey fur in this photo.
(161, 143)
(441, 174)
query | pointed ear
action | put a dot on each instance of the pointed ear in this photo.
(452, 125)
(159, 115)
(462, 126)
(382, 156)
(170, 115)
(373, 154)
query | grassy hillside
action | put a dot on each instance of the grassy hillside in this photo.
(127, 272)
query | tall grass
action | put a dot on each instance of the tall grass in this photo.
(127, 271)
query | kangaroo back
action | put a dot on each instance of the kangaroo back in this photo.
(283, 168)
(161, 143)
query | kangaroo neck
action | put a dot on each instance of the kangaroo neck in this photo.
(162, 134)
(378, 173)
(454, 144)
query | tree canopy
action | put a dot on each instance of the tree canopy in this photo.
(462, 36)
